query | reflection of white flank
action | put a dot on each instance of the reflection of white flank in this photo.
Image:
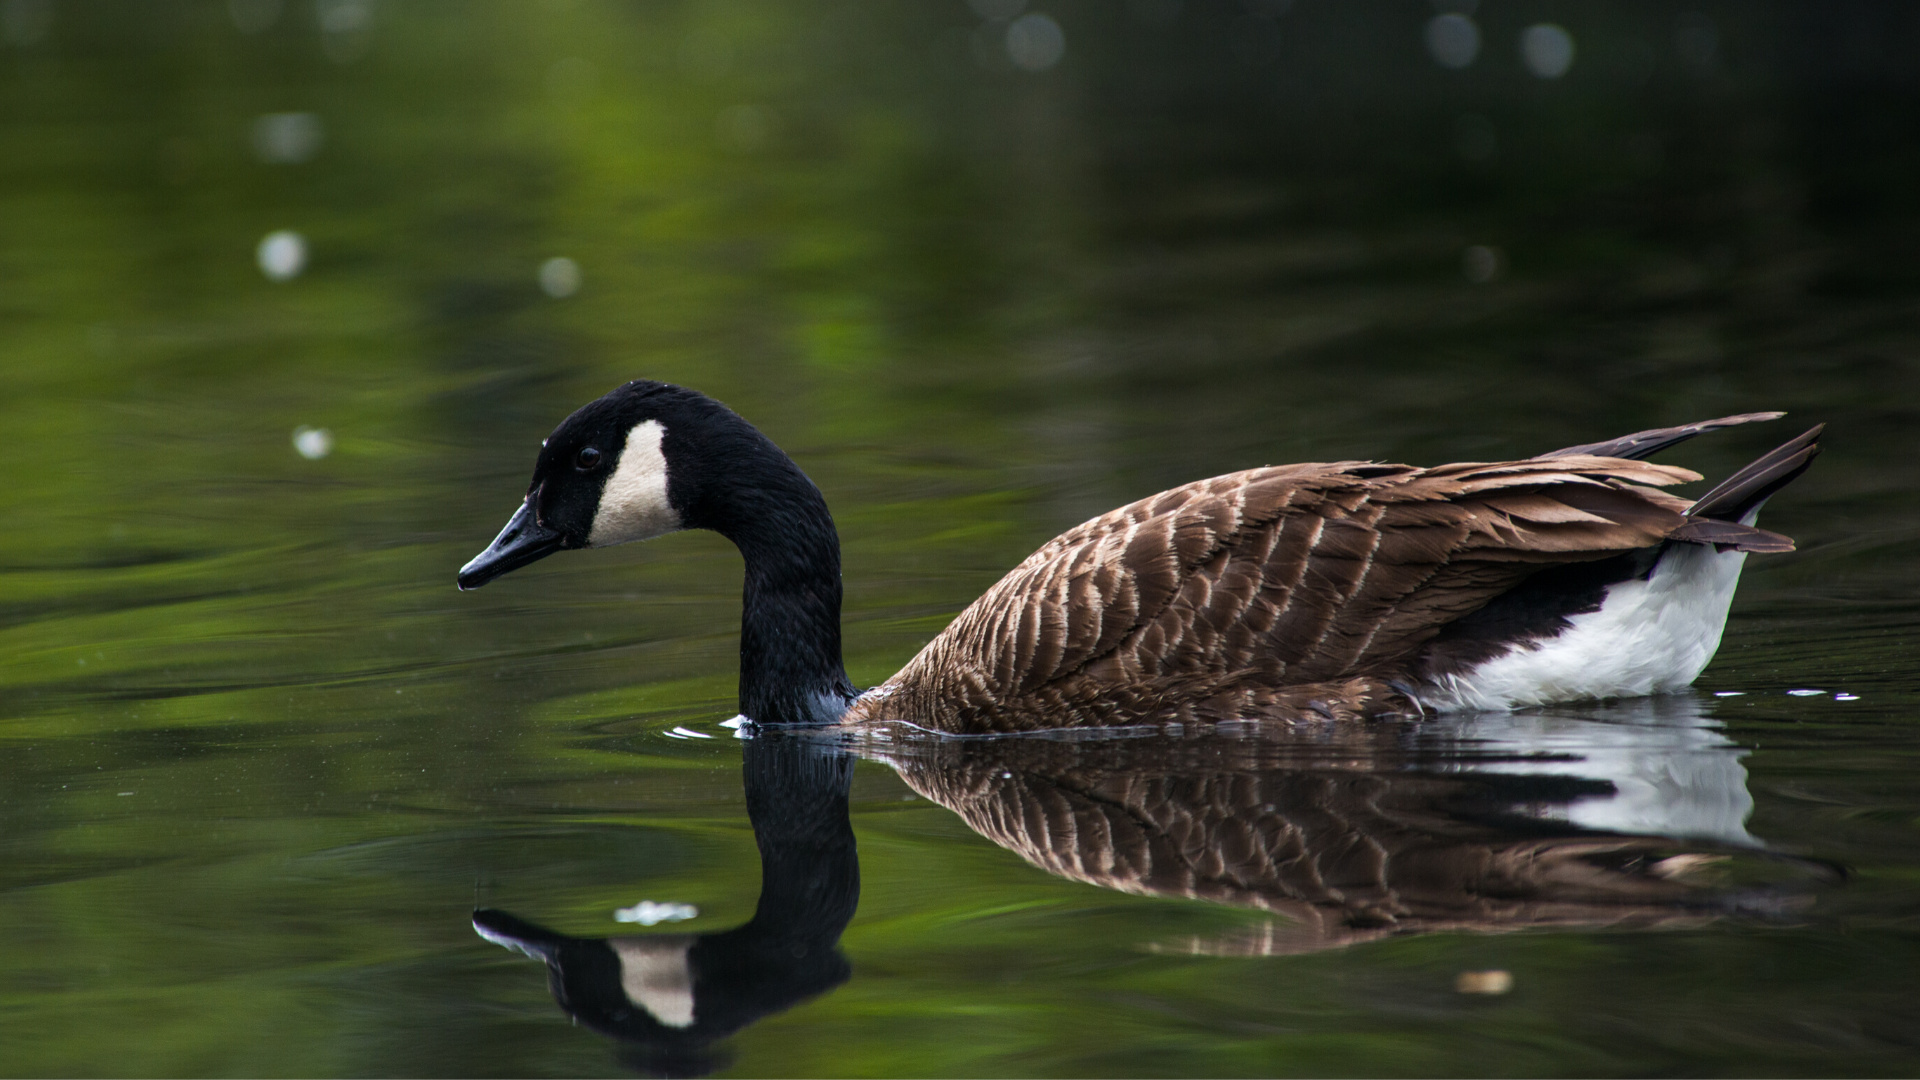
(1673, 771)
(655, 976)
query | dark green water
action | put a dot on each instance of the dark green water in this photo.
(259, 761)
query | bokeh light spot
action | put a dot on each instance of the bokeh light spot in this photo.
(1453, 40)
(1035, 42)
(345, 28)
(312, 443)
(1482, 263)
(287, 138)
(559, 277)
(1547, 50)
(282, 254)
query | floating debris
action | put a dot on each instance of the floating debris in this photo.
(1729, 693)
(1484, 982)
(648, 913)
(1805, 693)
(1846, 697)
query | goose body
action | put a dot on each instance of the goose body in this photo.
(1332, 589)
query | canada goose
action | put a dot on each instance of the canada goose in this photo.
(1341, 589)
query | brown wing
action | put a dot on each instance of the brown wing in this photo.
(1275, 577)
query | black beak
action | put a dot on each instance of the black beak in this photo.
(523, 541)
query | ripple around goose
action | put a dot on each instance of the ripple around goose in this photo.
(1339, 590)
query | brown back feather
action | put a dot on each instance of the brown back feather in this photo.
(1272, 577)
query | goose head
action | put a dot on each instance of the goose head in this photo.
(649, 459)
(645, 460)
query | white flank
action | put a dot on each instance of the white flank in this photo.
(1650, 636)
(655, 976)
(634, 506)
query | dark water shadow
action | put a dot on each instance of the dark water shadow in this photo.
(1628, 816)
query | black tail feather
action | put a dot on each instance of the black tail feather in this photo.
(1731, 535)
(1645, 444)
(1744, 491)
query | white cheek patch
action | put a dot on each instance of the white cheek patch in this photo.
(655, 975)
(634, 504)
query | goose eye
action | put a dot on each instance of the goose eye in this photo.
(586, 459)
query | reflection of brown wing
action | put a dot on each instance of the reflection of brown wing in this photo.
(1271, 577)
(1345, 853)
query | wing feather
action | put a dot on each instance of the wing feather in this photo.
(1274, 577)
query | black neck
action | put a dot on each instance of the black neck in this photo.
(790, 665)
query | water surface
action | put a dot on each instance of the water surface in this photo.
(261, 762)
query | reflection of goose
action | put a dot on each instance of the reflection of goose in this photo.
(1345, 588)
(1356, 832)
(672, 995)
(1347, 832)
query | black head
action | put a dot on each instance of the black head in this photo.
(628, 466)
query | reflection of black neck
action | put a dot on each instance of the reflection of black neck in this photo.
(809, 868)
(790, 665)
(788, 952)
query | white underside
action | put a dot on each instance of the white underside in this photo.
(1650, 636)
